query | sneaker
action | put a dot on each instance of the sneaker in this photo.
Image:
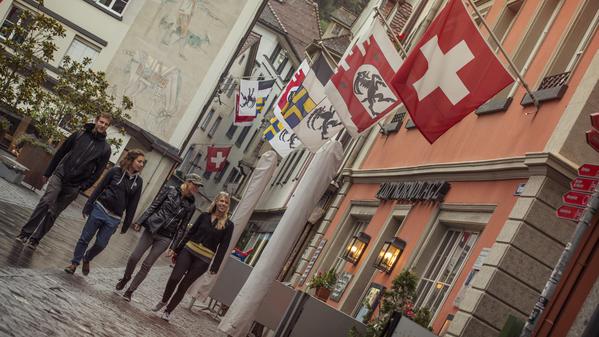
(70, 269)
(22, 238)
(122, 283)
(158, 306)
(85, 268)
(127, 295)
(32, 244)
(166, 316)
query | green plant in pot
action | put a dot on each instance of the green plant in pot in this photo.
(323, 283)
(26, 139)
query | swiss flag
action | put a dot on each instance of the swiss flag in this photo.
(449, 73)
(216, 158)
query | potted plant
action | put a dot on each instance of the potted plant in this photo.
(35, 155)
(323, 283)
(5, 125)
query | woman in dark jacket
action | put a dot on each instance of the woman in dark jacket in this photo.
(206, 242)
(117, 193)
(165, 221)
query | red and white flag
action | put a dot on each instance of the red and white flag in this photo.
(216, 158)
(449, 73)
(241, 120)
(359, 90)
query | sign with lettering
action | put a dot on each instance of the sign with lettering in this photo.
(584, 184)
(414, 191)
(576, 198)
(589, 170)
(342, 282)
(570, 212)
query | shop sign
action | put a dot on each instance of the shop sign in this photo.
(414, 191)
(569, 212)
(576, 198)
(584, 184)
(340, 285)
(589, 171)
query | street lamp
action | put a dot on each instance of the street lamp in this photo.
(389, 255)
(356, 247)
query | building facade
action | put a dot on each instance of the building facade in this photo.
(473, 215)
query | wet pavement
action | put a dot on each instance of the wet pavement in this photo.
(37, 298)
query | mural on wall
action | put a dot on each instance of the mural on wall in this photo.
(165, 56)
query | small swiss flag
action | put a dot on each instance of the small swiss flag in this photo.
(450, 72)
(216, 158)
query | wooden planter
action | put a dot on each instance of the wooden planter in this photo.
(36, 159)
(322, 293)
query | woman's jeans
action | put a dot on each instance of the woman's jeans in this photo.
(98, 222)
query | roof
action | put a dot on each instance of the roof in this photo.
(344, 16)
(297, 18)
(251, 39)
(151, 141)
(338, 44)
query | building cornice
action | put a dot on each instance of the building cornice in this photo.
(531, 164)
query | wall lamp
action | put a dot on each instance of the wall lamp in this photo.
(356, 247)
(389, 255)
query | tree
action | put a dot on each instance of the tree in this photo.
(28, 45)
(79, 93)
(399, 298)
(67, 102)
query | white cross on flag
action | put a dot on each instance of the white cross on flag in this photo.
(449, 73)
(216, 158)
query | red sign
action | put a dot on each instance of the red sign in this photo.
(584, 184)
(569, 212)
(576, 198)
(593, 139)
(588, 170)
(595, 120)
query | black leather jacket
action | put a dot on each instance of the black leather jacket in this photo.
(169, 213)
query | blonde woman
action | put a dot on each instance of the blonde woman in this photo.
(164, 221)
(205, 243)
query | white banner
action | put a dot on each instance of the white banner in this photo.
(320, 173)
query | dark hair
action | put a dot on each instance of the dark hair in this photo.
(128, 159)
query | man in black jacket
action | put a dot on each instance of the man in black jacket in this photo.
(75, 167)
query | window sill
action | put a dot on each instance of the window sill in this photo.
(105, 10)
(545, 95)
(495, 105)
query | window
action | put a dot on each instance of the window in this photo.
(443, 268)
(207, 119)
(14, 17)
(214, 126)
(242, 135)
(221, 173)
(294, 166)
(279, 59)
(195, 164)
(231, 131)
(483, 7)
(207, 175)
(234, 176)
(336, 29)
(115, 6)
(250, 142)
(79, 50)
(284, 167)
(505, 21)
(575, 42)
(231, 89)
(531, 42)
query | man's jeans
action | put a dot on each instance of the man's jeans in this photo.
(56, 198)
(102, 223)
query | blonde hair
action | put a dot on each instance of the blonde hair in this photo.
(222, 221)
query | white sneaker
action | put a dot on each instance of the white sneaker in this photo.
(158, 306)
(166, 316)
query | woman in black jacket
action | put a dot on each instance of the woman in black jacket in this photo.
(117, 193)
(165, 221)
(206, 242)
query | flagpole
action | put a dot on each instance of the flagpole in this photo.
(401, 47)
(509, 60)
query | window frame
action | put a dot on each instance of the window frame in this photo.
(112, 3)
(214, 126)
(87, 44)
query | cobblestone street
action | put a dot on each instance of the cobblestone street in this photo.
(37, 298)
